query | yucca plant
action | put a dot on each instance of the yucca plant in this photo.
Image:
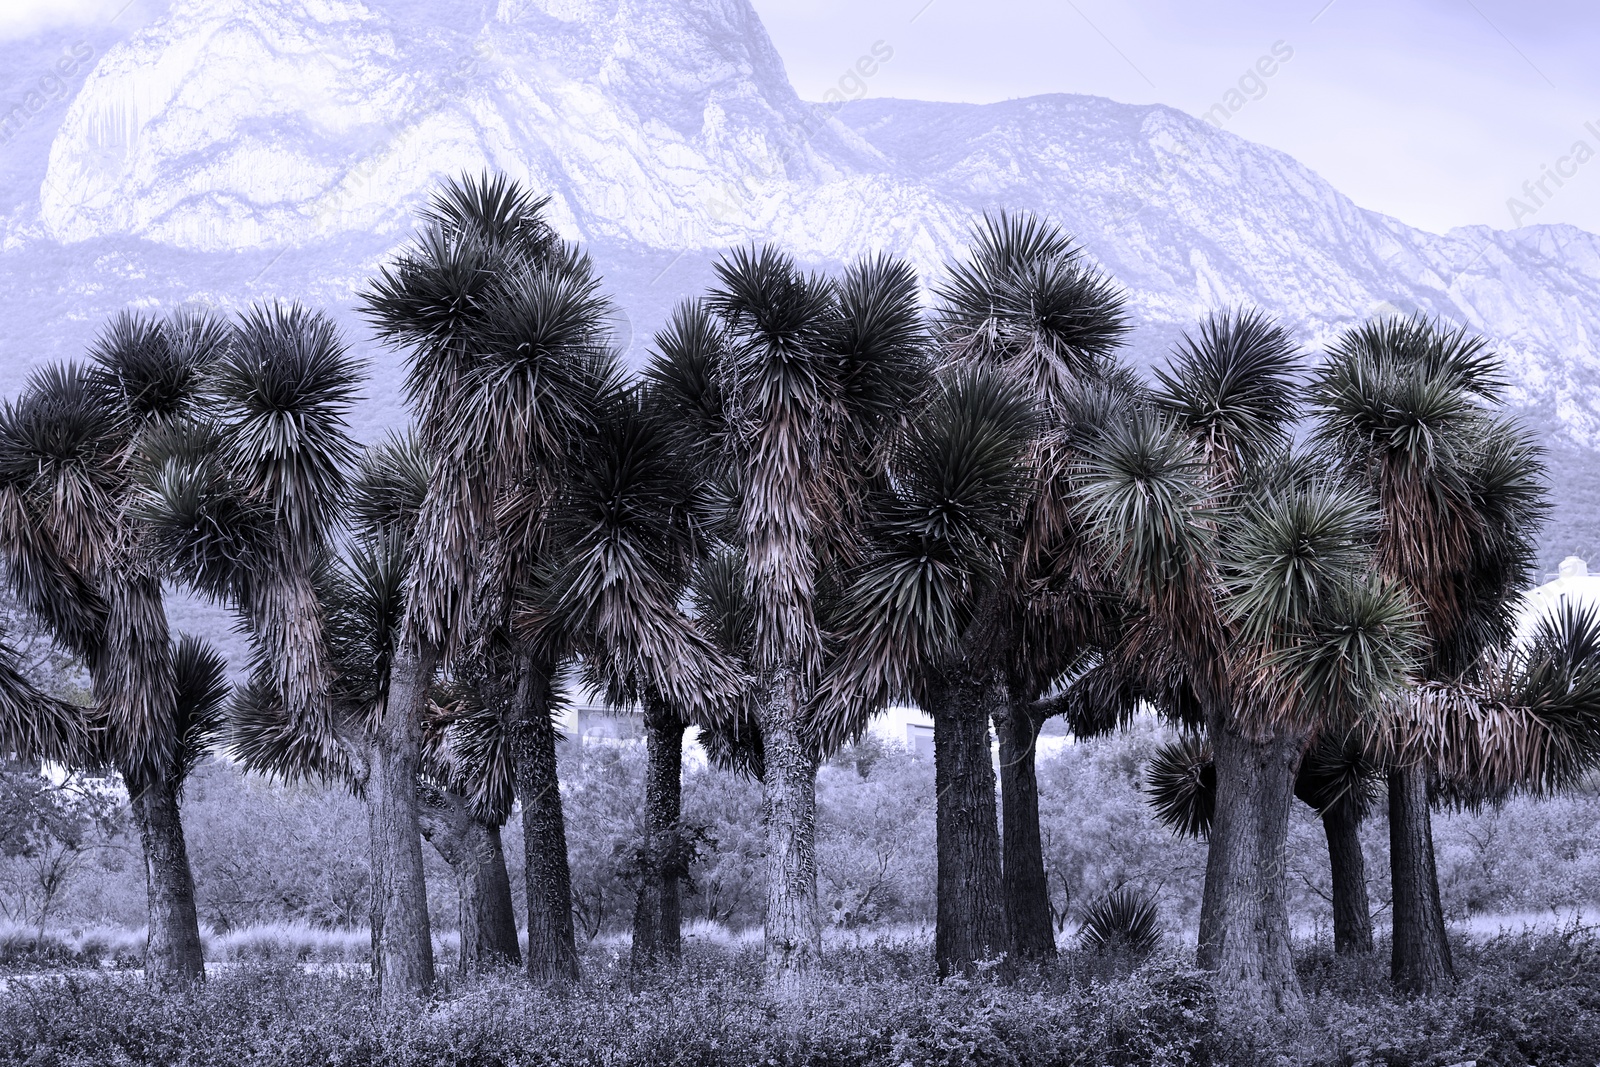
(554, 529)
(504, 330)
(781, 385)
(84, 561)
(1123, 924)
(619, 538)
(1406, 407)
(1180, 781)
(1249, 568)
(975, 591)
(242, 496)
(464, 781)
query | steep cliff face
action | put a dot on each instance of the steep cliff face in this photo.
(238, 124)
(236, 150)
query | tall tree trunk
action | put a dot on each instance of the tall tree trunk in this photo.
(173, 955)
(970, 920)
(1347, 865)
(552, 946)
(471, 847)
(1027, 893)
(402, 939)
(1247, 873)
(1421, 961)
(497, 918)
(658, 914)
(793, 920)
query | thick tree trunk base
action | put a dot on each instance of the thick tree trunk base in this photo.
(1246, 872)
(658, 912)
(484, 914)
(402, 938)
(552, 947)
(1421, 954)
(970, 931)
(174, 956)
(792, 945)
(1027, 893)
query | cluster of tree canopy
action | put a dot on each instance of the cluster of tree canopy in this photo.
(818, 497)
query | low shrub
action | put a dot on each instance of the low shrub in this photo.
(709, 1013)
(22, 948)
(25, 949)
(291, 942)
(1523, 999)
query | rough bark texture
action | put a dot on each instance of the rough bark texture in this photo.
(173, 954)
(1027, 893)
(1352, 913)
(497, 918)
(1421, 961)
(970, 921)
(472, 848)
(1246, 871)
(402, 940)
(793, 942)
(552, 949)
(658, 912)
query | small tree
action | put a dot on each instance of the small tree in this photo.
(51, 828)
(1249, 570)
(1406, 406)
(790, 381)
(83, 558)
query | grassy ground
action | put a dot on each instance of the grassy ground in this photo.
(1530, 998)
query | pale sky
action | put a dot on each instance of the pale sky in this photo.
(1434, 111)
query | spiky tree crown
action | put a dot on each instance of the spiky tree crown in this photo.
(74, 451)
(781, 389)
(508, 341)
(1251, 565)
(1406, 405)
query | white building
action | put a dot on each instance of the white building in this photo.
(1573, 584)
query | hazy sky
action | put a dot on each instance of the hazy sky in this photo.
(1435, 111)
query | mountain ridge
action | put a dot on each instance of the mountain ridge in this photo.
(229, 151)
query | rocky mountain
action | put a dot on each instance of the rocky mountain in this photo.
(225, 151)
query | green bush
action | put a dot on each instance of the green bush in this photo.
(1528, 999)
(711, 1013)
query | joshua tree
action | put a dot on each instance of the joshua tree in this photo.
(550, 529)
(790, 380)
(1028, 305)
(241, 491)
(1249, 569)
(505, 331)
(620, 538)
(938, 531)
(83, 560)
(465, 785)
(1406, 406)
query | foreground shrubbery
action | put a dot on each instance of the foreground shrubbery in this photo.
(1523, 1000)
